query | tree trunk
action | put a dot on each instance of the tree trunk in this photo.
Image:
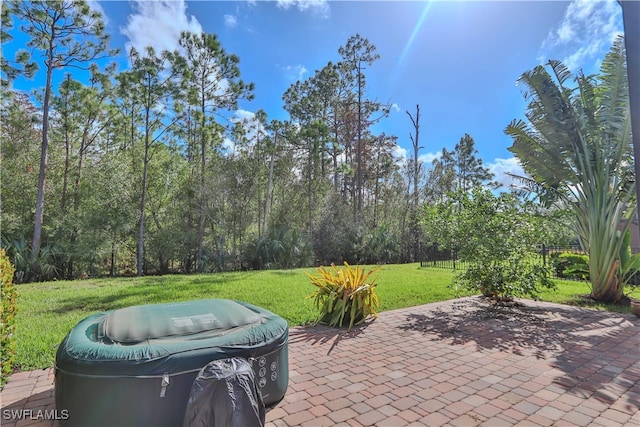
(140, 265)
(65, 175)
(76, 205)
(334, 155)
(416, 172)
(611, 291)
(309, 189)
(67, 155)
(358, 212)
(203, 149)
(267, 200)
(39, 214)
(112, 267)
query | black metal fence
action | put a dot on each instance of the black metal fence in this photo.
(546, 255)
(565, 262)
(563, 266)
(447, 259)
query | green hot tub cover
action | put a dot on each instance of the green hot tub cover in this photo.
(112, 362)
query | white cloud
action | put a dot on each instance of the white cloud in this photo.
(576, 60)
(230, 21)
(229, 147)
(565, 33)
(402, 155)
(320, 7)
(158, 24)
(586, 32)
(241, 114)
(254, 129)
(500, 167)
(295, 72)
(428, 158)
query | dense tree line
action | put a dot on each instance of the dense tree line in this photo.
(148, 170)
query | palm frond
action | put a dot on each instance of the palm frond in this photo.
(614, 89)
(546, 195)
(561, 72)
(541, 160)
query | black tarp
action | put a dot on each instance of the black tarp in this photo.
(225, 394)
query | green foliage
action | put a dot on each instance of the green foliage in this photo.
(66, 34)
(459, 169)
(497, 236)
(9, 306)
(343, 296)
(380, 245)
(504, 279)
(629, 263)
(45, 266)
(282, 248)
(570, 266)
(210, 80)
(146, 175)
(20, 148)
(337, 235)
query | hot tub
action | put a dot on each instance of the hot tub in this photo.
(135, 366)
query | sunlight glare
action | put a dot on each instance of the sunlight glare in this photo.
(416, 30)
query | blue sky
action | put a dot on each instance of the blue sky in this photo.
(458, 60)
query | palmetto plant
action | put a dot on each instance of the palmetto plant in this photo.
(45, 266)
(577, 149)
(343, 296)
(283, 247)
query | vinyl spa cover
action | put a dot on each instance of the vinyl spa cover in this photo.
(136, 365)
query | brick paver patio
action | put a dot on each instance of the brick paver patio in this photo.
(459, 363)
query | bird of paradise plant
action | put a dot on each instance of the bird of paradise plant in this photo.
(576, 148)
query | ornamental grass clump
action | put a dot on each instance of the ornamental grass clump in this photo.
(344, 297)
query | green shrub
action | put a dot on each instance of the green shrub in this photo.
(569, 265)
(496, 236)
(504, 280)
(7, 316)
(343, 296)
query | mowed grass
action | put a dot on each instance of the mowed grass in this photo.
(48, 311)
(576, 293)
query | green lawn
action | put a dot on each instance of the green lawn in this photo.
(47, 311)
(572, 292)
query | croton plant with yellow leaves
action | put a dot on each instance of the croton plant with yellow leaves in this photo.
(345, 296)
